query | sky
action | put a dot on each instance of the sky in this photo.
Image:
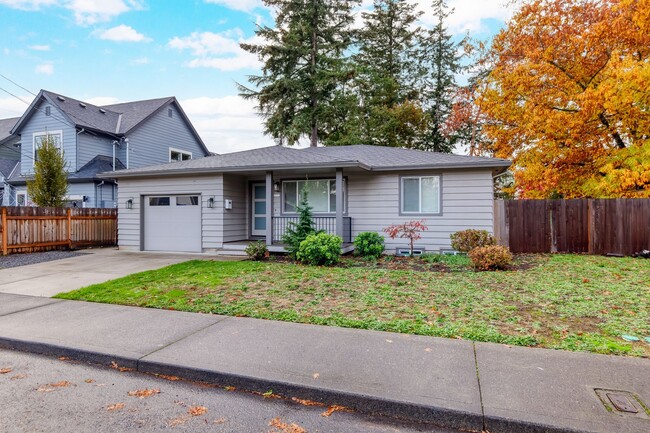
(108, 51)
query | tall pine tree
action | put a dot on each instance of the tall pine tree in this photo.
(441, 62)
(303, 68)
(387, 70)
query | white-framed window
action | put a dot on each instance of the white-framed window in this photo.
(21, 199)
(420, 195)
(176, 155)
(321, 194)
(39, 137)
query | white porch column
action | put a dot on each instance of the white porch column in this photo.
(339, 202)
(269, 208)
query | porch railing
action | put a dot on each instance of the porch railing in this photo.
(326, 224)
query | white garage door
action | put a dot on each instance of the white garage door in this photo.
(172, 223)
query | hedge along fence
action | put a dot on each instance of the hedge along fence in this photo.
(594, 226)
(32, 229)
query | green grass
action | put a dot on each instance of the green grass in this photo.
(571, 302)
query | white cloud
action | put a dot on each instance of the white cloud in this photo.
(239, 5)
(217, 50)
(40, 47)
(121, 33)
(12, 107)
(468, 14)
(86, 12)
(46, 68)
(102, 100)
(226, 124)
(141, 61)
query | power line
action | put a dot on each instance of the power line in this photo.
(65, 122)
(17, 85)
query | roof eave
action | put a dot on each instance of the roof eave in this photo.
(217, 170)
(448, 166)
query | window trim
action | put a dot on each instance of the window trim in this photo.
(330, 179)
(401, 194)
(182, 152)
(58, 132)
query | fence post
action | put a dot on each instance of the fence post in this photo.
(69, 212)
(4, 231)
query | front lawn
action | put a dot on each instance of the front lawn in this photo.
(561, 301)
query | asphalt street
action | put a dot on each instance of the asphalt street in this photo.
(46, 394)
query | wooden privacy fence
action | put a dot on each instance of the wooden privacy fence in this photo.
(31, 229)
(593, 226)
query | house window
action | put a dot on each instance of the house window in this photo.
(21, 199)
(159, 201)
(170, 113)
(420, 195)
(321, 194)
(48, 110)
(176, 155)
(40, 137)
(187, 200)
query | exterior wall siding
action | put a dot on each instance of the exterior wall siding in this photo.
(89, 146)
(467, 202)
(10, 150)
(235, 221)
(129, 220)
(149, 144)
(39, 122)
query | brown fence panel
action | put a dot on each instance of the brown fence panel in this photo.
(594, 226)
(31, 229)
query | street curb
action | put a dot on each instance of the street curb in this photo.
(368, 404)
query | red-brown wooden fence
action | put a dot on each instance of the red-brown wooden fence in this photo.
(31, 229)
(593, 226)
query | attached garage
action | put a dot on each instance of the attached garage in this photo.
(172, 223)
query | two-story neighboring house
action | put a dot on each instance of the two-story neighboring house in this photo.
(94, 140)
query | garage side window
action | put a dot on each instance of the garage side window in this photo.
(158, 201)
(187, 200)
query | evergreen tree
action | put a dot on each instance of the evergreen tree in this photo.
(303, 66)
(440, 59)
(298, 232)
(387, 71)
(50, 184)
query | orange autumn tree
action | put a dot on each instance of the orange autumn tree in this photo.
(568, 98)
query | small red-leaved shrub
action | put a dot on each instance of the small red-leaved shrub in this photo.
(491, 258)
(411, 230)
(465, 241)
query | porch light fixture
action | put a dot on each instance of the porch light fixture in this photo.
(276, 187)
(211, 202)
(129, 203)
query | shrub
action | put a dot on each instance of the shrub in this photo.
(320, 249)
(466, 240)
(411, 230)
(257, 250)
(298, 232)
(369, 244)
(491, 258)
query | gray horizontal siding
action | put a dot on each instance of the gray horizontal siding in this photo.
(208, 186)
(235, 226)
(89, 146)
(149, 143)
(39, 122)
(467, 197)
(10, 149)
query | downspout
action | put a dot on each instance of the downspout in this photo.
(101, 194)
(126, 140)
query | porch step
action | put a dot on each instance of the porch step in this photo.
(232, 253)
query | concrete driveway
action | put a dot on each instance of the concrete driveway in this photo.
(96, 266)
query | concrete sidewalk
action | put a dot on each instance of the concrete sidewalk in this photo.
(451, 383)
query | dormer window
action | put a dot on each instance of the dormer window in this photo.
(48, 110)
(176, 155)
(40, 137)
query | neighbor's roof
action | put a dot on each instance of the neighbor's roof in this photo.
(89, 172)
(115, 120)
(372, 158)
(7, 166)
(6, 125)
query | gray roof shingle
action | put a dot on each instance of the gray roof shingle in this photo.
(277, 157)
(84, 114)
(7, 166)
(135, 112)
(6, 125)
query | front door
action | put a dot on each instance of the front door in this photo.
(259, 209)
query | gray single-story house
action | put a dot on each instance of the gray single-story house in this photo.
(220, 203)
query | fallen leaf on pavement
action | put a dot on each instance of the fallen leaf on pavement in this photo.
(117, 367)
(64, 358)
(53, 386)
(143, 393)
(307, 402)
(284, 427)
(219, 421)
(89, 381)
(335, 408)
(170, 378)
(6, 370)
(229, 388)
(116, 406)
(316, 375)
(18, 376)
(197, 410)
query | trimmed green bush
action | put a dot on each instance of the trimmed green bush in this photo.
(369, 245)
(491, 258)
(465, 241)
(320, 249)
(257, 250)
